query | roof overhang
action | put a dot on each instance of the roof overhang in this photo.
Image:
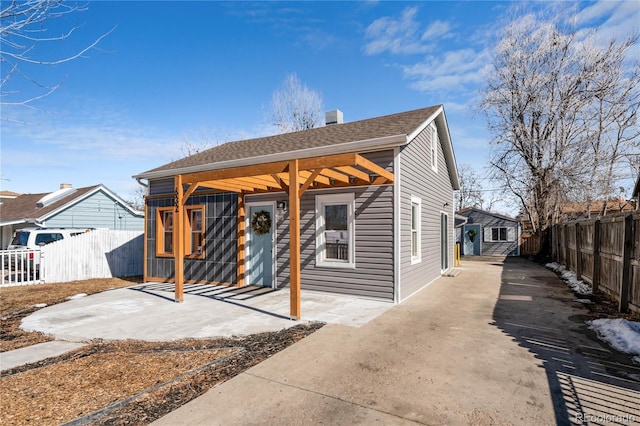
(445, 138)
(360, 146)
(340, 170)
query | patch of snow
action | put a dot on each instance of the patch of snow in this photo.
(570, 278)
(553, 265)
(585, 301)
(40, 305)
(77, 296)
(621, 334)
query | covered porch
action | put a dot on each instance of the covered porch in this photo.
(293, 177)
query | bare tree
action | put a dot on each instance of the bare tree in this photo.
(562, 110)
(137, 198)
(195, 143)
(22, 29)
(470, 192)
(295, 107)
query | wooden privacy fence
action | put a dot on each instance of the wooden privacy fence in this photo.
(530, 244)
(604, 252)
(97, 254)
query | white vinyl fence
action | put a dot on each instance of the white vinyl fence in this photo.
(97, 254)
(20, 267)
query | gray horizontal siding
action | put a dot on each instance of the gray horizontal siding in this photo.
(373, 274)
(435, 190)
(98, 210)
(490, 248)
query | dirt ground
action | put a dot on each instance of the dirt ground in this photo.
(114, 383)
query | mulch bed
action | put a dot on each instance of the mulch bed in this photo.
(116, 383)
(136, 382)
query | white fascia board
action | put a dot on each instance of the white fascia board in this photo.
(343, 148)
(424, 124)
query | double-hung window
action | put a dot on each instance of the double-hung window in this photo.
(194, 231)
(164, 231)
(416, 207)
(335, 228)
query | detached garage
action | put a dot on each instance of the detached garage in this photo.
(487, 234)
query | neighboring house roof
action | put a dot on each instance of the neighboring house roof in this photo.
(8, 194)
(370, 134)
(25, 208)
(468, 210)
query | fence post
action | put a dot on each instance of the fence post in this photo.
(623, 306)
(596, 256)
(578, 257)
(567, 252)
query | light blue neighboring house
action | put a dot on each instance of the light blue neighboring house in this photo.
(89, 207)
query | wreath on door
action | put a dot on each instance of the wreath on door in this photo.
(261, 222)
(472, 234)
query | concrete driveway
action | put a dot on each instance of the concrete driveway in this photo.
(498, 344)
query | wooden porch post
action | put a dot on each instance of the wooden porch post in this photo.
(241, 240)
(294, 240)
(178, 241)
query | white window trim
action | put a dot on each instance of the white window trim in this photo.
(349, 200)
(434, 148)
(418, 258)
(507, 240)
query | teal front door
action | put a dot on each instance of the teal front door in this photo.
(471, 240)
(260, 259)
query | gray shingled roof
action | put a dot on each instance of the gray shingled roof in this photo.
(24, 206)
(390, 125)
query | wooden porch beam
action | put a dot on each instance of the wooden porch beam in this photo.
(241, 240)
(327, 162)
(373, 167)
(308, 182)
(304, 174)
(280, 182)
(178, 240)
(215, 184)
(294, 241)
(260, 181)
(340, 177)
(192, 188)
(352, 171)
(236, 172)
(247, 186)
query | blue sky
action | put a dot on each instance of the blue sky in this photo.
(171, 71)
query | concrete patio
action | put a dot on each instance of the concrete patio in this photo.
(148, 312)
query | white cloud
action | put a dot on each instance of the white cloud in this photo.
(455, 70)
(402, 35)
(437, 29)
